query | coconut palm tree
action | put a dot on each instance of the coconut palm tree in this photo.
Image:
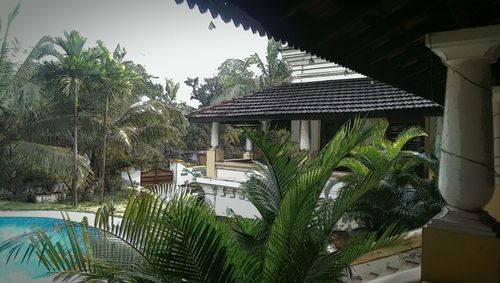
(180, 239)
(22, 103)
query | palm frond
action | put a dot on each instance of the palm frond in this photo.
(181, 238)
(55, 161)
(27, 69)
(403, 138)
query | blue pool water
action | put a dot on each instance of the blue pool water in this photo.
(15, 271)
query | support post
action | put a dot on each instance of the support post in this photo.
(214, 141)
(493, 207)
(459, 244)
(214, 154)
(248, 154)
(305, 135)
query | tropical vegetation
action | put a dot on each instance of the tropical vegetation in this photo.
(69, 111)
(178, 238)
(407, 195)
(25, 155)
(235, 78)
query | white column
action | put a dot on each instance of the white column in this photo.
(305, 135)
(248, 145)
(439, 136)
(214, 142)
(496, 132)
(466, 176)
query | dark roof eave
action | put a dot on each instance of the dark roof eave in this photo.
(253, 119)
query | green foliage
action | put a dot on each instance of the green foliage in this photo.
(405, 195)
(174, 237)
(89, 99)
(274, 71)
(236, 78)
(21, 105)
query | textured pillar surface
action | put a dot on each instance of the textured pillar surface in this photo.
(459, 244)
(305, 135)
(214, 141)
(466, 176)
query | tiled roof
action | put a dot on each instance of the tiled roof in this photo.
(316, 100)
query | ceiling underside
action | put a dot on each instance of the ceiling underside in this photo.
(381, 39)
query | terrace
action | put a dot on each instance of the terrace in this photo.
(445, 51)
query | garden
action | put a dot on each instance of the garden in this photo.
(75, 118)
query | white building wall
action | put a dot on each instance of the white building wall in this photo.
(134, 174)
(182, 174)
(227, 195)
(309, 68)
(233, 175)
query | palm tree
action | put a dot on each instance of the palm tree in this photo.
(115, 84)
(274, 70)
(73, 67)
(21, 104)
(236, 78)
(403, 195)
(179, 239)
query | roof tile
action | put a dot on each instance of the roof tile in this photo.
(324, 97)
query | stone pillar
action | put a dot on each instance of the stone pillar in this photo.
(305, 135)
(463, 233)
(214, 154)
(493, 207)
(496, 132)
(466, 178)
(248, 154)
(439, 137)
(214, 141)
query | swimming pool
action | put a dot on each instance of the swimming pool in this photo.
(15, 271)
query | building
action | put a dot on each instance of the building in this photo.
(320, 98)
(441, 50)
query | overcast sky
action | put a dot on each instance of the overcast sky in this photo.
(169, 39)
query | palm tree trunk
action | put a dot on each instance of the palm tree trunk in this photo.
(104, 144)
(74, 179)
(130, 179)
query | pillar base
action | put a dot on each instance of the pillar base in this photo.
(456, 220)
(248, 155)
(493, 207)
(213, 155)
(460, 246)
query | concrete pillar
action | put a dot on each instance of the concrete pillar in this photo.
(493, 207)
(214, 154)
(466, 172)
(214, 142)
(248, 154)
(496, 131)
(305, 135)
(439, 136)
(466, 177)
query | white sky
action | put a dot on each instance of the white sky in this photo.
(170, 40)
